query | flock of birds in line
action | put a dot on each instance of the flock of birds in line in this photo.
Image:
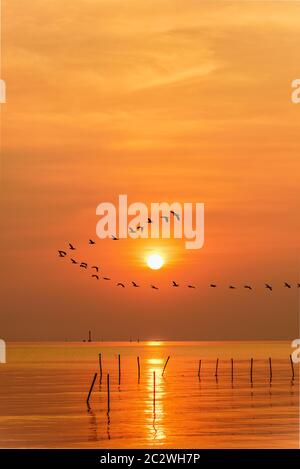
(96, 268)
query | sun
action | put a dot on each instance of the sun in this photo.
(155, 261)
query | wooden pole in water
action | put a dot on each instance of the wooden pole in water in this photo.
(100, 367)
(232, 369)
(292, 365)
(91, 388)
(108, 394)
(217, 365)
(119, 361)
(199, 369)
(154, 391)
(139, 368)
(165, 365)
(270, 366)
(251, 370)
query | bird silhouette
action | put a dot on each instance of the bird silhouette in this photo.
(95, 267)
(164, 217)
(139, 227)
(131, 230)
(287, 285)
(62, 253)
(213, 285)
(91, 241)
(231, 287)
(134, 284)
(269, 287)
(174, 284)
(73, 261)
(95, 276)
(298, 285)
(71, 247)
(120, 285)
(175, 214)
(191, 286)
(114, 238)
(248, 286)
(154, 287)
(149, 220)
(106, 278)
(83, 265)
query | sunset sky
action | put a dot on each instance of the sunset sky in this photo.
(162, 100)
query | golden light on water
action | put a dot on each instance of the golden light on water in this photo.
(155, 414)
(155, 261)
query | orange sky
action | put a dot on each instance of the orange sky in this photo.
(162, 100)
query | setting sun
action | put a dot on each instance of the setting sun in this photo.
(155, 261)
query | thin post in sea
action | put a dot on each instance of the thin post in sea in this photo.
(154, 391)
(91, 389)
(100, 367)
(217, 366)
(292, 366)
(165, 365)
(139, 369)
(108, 395)
(199, 369)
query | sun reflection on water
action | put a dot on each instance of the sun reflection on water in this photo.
(154, 410)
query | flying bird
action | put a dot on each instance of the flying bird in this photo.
(298, 285)
(248, 286)
(175, 214)
(139, 227)
(149, 220)
(131, 230)
(231, 287)
(191, 286)
(287, 285)
(91, 241)
(71, 247)
(95, 276)
(134, 284)
(269, 287)
(213, 285)
(83, 264)
(164, 217)
(62, 253)
(73, 261)
(106, 278)
(120, 285)
(154, 287)
(114, 238)
(174, 284)
(95, 267)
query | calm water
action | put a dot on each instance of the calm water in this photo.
(43, 389)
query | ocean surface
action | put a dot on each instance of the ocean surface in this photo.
(44, 387)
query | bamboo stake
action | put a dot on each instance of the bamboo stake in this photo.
(165, 365)
(108, 395)
(119, 361)
(139, 368)
(154, 391)
(91, 388)
(292, 366)
(100, 367)
(251, 371)
(270, 366)
(232, 369)
(217, 365)
(199, 369)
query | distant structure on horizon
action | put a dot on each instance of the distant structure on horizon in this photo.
(90, 337)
